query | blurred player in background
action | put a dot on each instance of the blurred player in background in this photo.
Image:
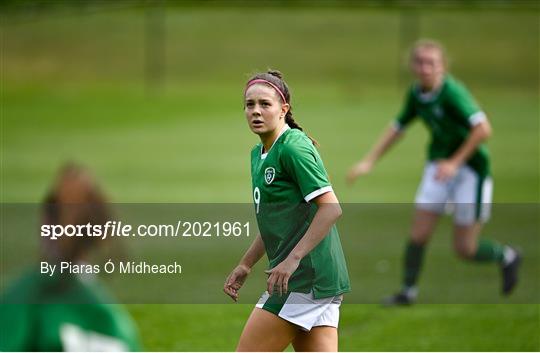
(457, 171)
(296, 211)
(66, 312)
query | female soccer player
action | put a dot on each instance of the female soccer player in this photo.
(457, 169)
(296, 211)
(42, 312)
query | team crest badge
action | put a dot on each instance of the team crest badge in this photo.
(269, 174)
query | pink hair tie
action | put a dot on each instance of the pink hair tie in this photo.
(260, 80)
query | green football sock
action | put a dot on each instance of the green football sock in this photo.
(489, 251)
(414, 256)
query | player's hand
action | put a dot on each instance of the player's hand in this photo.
(359, 169)
(446, 170)
(278, 277)
(235, 281)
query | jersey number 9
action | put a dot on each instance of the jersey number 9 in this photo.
(257, 198)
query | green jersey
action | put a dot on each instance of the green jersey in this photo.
(42, 313)
(285, 180)
(449, 113)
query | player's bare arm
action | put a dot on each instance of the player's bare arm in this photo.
(447, 168)
(328, 212)
(238, 276)
(364, 166)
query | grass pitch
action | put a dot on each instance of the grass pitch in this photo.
(73, 88)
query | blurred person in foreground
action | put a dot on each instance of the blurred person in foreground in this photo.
(66, 312)
(457, 172)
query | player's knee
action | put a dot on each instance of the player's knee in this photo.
(420, 237)
(464, 251)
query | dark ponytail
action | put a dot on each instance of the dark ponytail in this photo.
(276, 78)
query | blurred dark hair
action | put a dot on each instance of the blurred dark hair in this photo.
(74, 198)
(276, 78)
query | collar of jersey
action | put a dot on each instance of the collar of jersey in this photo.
(285, 128)
(429, 96)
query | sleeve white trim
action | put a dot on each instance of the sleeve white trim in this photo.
(319, 192)
(477, 118)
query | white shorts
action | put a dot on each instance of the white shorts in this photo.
(467, 195)
(303, 309)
